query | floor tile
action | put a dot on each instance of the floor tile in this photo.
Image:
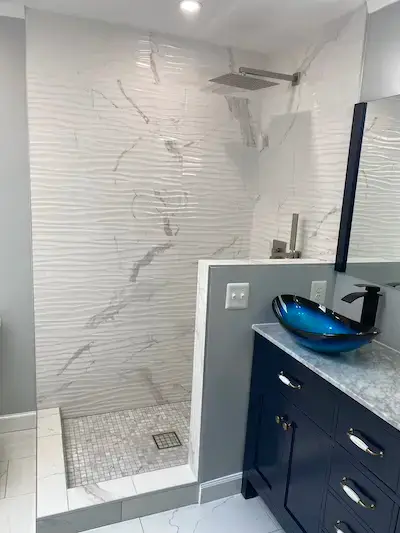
(21, 477)
(18, 514)
(270, 513)
(48, 412)
(158, 502)
(17, 444)
(131, 526)
(49, 425)
(52, 495)
(229, 515)
(106, 491)
(50, 456)
(114, 445)
(3, 478)
(162, 479)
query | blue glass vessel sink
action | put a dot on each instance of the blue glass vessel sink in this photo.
(319, 328)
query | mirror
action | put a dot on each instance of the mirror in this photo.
(373, 183)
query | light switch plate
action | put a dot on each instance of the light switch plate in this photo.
(237, 296)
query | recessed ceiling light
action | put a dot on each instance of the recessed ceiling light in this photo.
(190, 6)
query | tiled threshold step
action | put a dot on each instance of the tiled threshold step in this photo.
(62, 510)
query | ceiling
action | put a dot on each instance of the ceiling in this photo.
(262, 25)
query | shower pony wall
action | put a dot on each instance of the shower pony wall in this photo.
(138, 170)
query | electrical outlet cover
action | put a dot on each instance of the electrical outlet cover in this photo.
(318, 291)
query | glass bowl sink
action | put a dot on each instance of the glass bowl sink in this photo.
(318, 328)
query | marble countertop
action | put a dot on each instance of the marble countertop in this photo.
(370, 375)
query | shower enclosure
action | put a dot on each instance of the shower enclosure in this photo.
(138, 170)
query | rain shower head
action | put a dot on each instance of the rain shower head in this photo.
(241, 81)
(253, 79)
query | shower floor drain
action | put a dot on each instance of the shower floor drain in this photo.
(167, 440)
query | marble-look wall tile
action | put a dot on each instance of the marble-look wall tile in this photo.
(303, 168)
(139, 168)
(375, 228)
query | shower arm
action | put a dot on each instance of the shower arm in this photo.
(294, 78)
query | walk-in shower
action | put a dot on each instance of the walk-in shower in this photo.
(137, 173)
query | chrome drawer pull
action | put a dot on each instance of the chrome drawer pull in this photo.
(360, 443)
(339, 525)
(352, 494)
(286, 381)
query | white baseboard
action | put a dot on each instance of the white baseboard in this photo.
(220, 488)
(18, 422)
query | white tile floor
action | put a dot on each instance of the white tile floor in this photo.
(17, 481)
(229, 515)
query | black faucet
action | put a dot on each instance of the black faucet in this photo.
(370, 306)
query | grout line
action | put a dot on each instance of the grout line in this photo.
(141, 524)
(5, 488)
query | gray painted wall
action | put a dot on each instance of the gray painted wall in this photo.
(381, 76)
(388, 315)
(17, 369)
(229, 349)
(379, 273)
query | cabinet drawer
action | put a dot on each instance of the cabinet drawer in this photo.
(302, 387)
(369, 440)
(338, 519)
(372, 505)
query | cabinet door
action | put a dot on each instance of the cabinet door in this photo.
(398, 524)
(273, 445)
(308, 471)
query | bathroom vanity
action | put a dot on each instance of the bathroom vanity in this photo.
(323, 436)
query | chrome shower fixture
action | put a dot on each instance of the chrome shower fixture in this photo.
(253, 79)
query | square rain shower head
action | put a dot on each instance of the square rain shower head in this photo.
(240, 81)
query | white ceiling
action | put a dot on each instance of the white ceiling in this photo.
(261, 25)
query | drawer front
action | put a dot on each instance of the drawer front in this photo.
(338, 519)
(372, 505)
(305, 389)
(367, 438)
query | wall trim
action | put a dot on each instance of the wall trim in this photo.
(18, 422)
(7, 9)
(220, 488)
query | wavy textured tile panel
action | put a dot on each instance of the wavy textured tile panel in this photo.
(138, 170)
(308, 128)
(375, 229)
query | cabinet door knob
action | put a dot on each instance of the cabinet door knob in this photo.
(341, 527)
(360, 442)
(354, 496)
(283, 421)
(288, 382)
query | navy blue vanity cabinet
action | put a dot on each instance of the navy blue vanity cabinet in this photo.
(307, 472)
(287, 454)
(359, 429)
(273, 445)
(339, 519)
(320, 461)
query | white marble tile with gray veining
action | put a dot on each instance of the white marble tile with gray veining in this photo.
(148, 167)
(97, 493)
(370, 375)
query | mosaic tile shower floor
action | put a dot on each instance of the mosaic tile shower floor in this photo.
(113, 445)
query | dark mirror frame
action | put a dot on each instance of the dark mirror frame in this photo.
(349, 195)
